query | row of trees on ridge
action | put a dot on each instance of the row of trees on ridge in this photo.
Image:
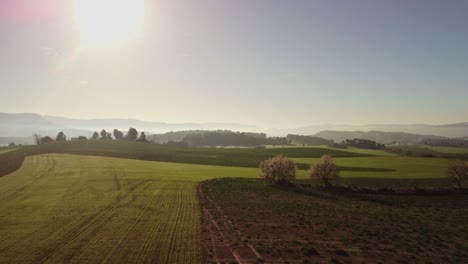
(132, 135)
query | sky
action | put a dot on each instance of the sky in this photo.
(269, 63)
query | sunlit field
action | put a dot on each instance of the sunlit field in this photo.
(397, 167)
(82, 209)
(125, 199)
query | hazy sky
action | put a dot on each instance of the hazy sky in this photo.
(269, 63)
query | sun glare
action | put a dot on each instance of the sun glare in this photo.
(107, 22)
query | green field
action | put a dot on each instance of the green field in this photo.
(139, 203)
(6, 150)
(403, 167)
(81, 209)
(450, 150)
(238, 157)
(373, 152)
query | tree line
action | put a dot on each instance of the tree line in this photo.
(359, 143)
(131, 135)
(230, 138)
(308, 140)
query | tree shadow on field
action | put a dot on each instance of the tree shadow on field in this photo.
(293, 188)
(305, 166)
(329, 193)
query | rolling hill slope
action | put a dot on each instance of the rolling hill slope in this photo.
(81, 209)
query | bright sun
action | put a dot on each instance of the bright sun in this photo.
(107, 22)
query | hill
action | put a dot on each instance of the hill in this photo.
(27, 124)
(308, 140)
(23, 120)
(175, 136)
(445, 130)
(24, 125)
(238, 157)
(125, 123)
(378, 136)
(447, 142)
(60, 208)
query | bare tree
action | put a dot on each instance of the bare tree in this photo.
(37, 139)
(326, 170)
(278, 169)
(458, 173)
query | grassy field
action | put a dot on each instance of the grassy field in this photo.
(59, 207)
(352, 162)
(372, 152)
(238, 157)
(399, 167)
(452, 150)
(81, 209)
(6, 150)
(252, 220)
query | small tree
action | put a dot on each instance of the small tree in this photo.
(132, 134)
(142, 138)
(326, 170)
(117, 134)
(103, 134)
(95, 135)
(12, 144)
(458, 173)
(61, 137)
(109, 135)
(278, 170)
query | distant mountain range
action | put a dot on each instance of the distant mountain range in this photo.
(378, 136)
(153, 127)
(21, 127)
(457, 130)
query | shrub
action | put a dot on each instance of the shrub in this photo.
(458, 173)
(326, 170)
(278, 169)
